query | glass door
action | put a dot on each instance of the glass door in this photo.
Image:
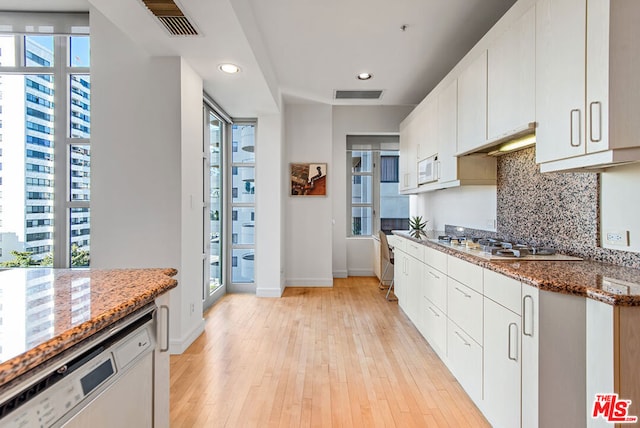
(213, 208)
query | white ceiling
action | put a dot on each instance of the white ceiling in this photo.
(306, 49)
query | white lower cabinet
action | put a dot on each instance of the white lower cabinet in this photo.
(433, 326)
(502, 365)
(465, 360)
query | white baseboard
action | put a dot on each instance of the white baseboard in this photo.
(361, 272)
(178, 346)
(309, 282)
(269, 292)
(340, 274)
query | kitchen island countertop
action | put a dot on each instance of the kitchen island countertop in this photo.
(45, 311)
(608, 283)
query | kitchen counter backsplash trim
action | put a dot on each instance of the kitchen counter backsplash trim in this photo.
(579, 278)
(113, 294)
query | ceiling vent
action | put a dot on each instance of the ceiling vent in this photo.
(358, 95)
(173, 19)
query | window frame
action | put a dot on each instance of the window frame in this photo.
(62, 71)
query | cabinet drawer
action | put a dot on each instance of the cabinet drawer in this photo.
(465, 360)
(436, 259)
(465, 272)
(503, 290)
(434, 287)
(434, 327)
(464, 307)
(414, 249)
(396, 242)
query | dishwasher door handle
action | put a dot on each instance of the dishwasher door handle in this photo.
(164, 347)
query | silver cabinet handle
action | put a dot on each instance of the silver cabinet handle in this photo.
(527, 331)
(462, 338)
(166, 348)
(578, 132)
(434, 312)
(509, 353)
(597, 122)
(468, 296)
(434, 275)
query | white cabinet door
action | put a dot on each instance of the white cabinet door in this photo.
(511, 78)
(464, 307)
(428, 124)
(465, 360)
(400, 277)
(560, 78)
(408, 160)
(448, 132)
(502, 365)
(472, 105)
(434, 327)
(530, 365)
(413, 290)
(434, 287)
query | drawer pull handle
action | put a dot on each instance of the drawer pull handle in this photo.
(434, 275)
(434, 312)
(595, 136)
(513, 355)
(575, 131)
(165, 348)
(527, 327)
(462, 338)
(468, 296)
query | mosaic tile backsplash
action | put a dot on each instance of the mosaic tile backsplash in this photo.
(560, 210)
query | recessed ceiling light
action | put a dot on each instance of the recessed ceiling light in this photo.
(229, 68)
(364, 76)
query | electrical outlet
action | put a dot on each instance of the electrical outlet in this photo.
(492, 223)
(192, 307)
(617, 237)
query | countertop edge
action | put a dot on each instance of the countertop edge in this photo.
(553, 286)
(21, 364)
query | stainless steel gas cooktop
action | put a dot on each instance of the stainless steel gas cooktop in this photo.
(497, 250)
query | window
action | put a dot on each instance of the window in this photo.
(242, 202)
(373, 199)
(47, 88)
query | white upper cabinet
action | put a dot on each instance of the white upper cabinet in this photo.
(408, 164)
(511, 79)
(448, 132)
(472, 105)
(587, 90)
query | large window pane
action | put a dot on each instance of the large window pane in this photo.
(80, 172)
(215, 128)
(242, 265)
(80, 111)
(38, 51)
(80, 54)
(243, 144)
(243, 184)
(7, 51)
(362, 189)
(362, 161)
(80, 237)
(242, 226)
(361, 221)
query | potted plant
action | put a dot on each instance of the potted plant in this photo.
(416, 227)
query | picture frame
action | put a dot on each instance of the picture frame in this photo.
(308, 179)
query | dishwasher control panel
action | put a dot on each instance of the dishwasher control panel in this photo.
(77, 380)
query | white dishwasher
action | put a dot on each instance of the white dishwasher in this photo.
(107, 382)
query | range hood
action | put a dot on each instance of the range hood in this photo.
(517, 139)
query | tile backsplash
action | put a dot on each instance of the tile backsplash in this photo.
(560, 210)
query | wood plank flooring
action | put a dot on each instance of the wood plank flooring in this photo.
(317, 357)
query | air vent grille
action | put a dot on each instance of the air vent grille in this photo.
(358, 95)
(171, 17)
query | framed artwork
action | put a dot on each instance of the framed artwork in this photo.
(308, 179)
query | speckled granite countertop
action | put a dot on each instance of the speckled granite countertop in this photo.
(44, 311)
(615, 285)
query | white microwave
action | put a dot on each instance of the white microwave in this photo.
(427, 170)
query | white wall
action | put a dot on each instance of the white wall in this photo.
(620, 204)
(308, 226)
(146, 119)
(270, 174)
(469, 206)
(352, 254)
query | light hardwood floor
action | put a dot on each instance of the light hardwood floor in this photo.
(340, 356)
